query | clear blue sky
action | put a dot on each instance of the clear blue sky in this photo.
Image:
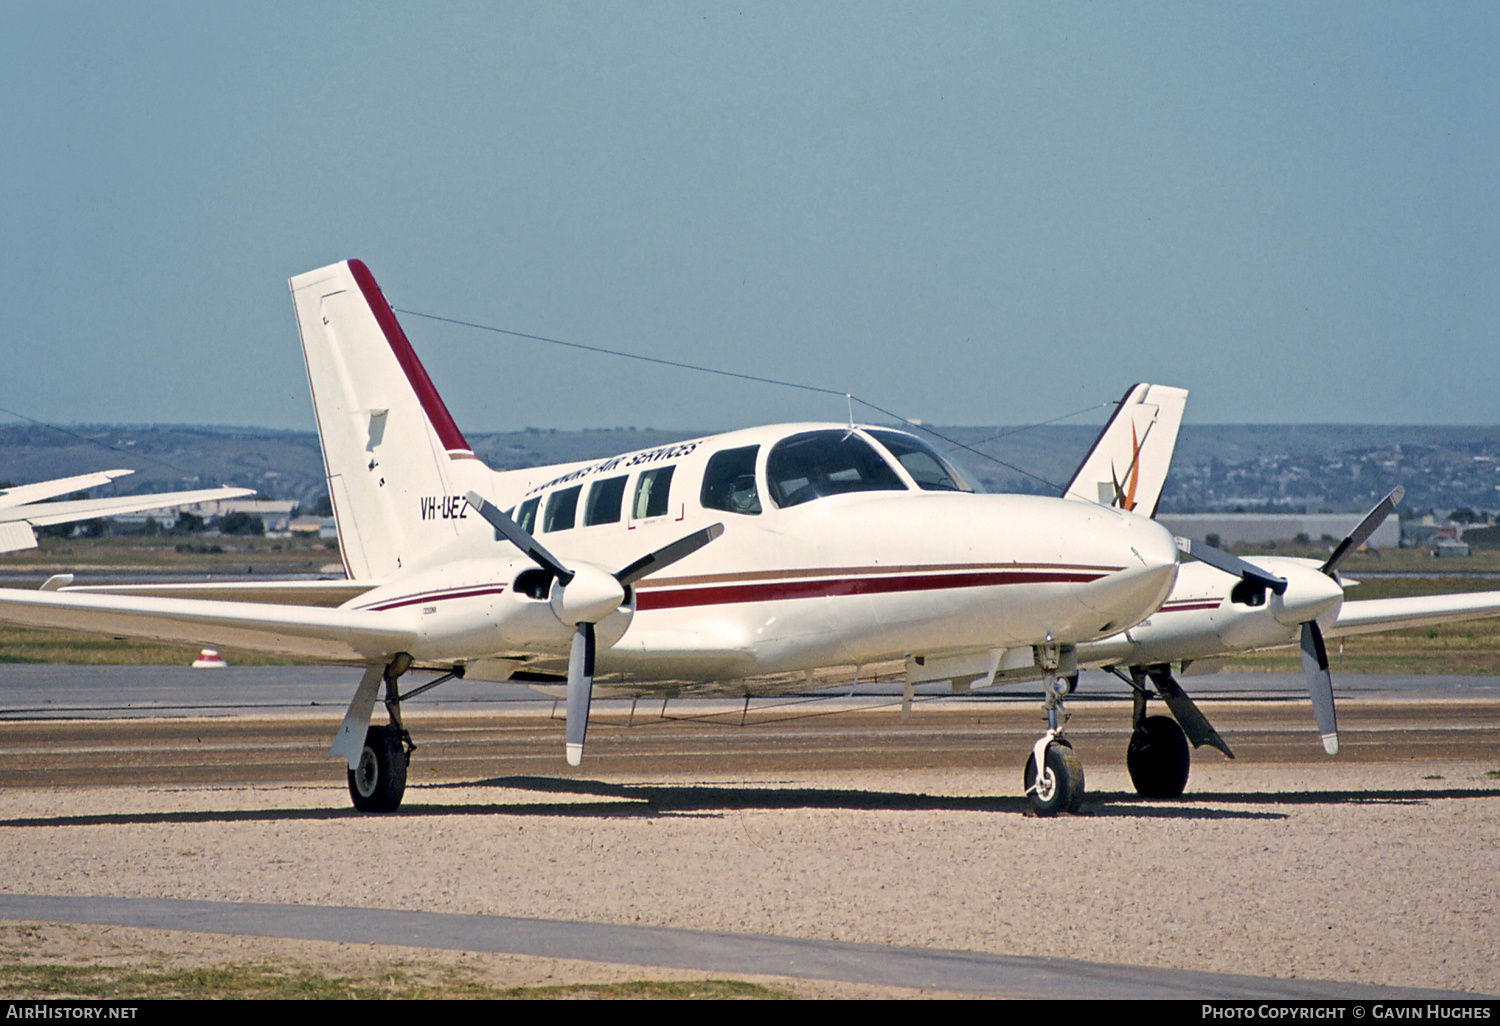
(984, 213)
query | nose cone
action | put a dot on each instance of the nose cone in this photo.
(1309, 595)
(1147, 554)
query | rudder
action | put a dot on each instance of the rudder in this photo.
(396, 463)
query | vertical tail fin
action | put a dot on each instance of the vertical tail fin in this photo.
(1127, 467)
(397, 465)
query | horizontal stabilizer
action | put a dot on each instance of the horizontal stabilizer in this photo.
(16, 536)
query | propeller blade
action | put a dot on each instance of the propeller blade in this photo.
(580, 690)
(1232, 565)
(1320, 685)
(1367, 526)
(519, 537)
(667, 555)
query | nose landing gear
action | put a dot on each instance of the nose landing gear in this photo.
(1058, 787)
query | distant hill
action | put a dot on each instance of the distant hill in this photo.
(1291, 468)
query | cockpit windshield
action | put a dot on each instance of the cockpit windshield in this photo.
(816, 464)
(931, 472)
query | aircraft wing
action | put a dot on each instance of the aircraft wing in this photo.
(1370, 615)
(288, 593)
(324, 635)
(43, 515)
(22, 494)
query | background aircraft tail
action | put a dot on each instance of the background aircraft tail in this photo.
(398, 467)
(1127, 467)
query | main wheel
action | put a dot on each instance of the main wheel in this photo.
(1061, 786)
(1158, 758)
(379, 781)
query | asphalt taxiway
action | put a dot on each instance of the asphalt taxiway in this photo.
(208, 759)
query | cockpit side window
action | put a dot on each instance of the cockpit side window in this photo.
(562, 509)
(651, 492)
(931, 472)
(605, 499)
(822, 463)
(729, 481)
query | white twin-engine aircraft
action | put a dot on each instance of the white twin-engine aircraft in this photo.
(762, 551)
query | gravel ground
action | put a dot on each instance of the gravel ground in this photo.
(1377, 873)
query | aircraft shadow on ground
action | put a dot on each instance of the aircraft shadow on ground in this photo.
(647, 801)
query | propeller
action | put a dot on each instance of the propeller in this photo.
(1361, 534)
(583, 596)
(1314, 652)
(1234, 566)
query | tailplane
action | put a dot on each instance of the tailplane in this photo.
(1127, 467)
(398, 467)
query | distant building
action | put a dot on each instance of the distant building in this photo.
(275, 514)
(1260, 528)
(323, 527)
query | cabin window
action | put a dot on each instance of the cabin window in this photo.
(562, 509)
(931, 472)
(651, 491)
(822, 463)
(605, 499)
(729, 481)
(527, 516)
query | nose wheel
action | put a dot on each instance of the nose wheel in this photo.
(1060, 786)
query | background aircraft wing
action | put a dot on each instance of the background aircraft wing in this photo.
(43, 515)
(1370, 615)
(22, 494)
(324, 635)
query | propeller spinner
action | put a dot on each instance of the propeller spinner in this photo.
(583, 596)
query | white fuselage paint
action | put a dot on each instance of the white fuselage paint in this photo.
(849, 578)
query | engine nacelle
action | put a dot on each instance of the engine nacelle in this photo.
(475, 610)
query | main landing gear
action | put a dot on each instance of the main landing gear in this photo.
(377, 772)
(378, 783)
(1158, 757)
(1058, 787)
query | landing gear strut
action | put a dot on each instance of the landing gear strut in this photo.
(1059, 785)
(377, 770)
(1158, 756)
(378, 782)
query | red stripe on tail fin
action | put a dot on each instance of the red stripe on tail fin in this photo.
(437, 413)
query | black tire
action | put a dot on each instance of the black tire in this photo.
(379, 781)
(1158, 758)
(1061, 789)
